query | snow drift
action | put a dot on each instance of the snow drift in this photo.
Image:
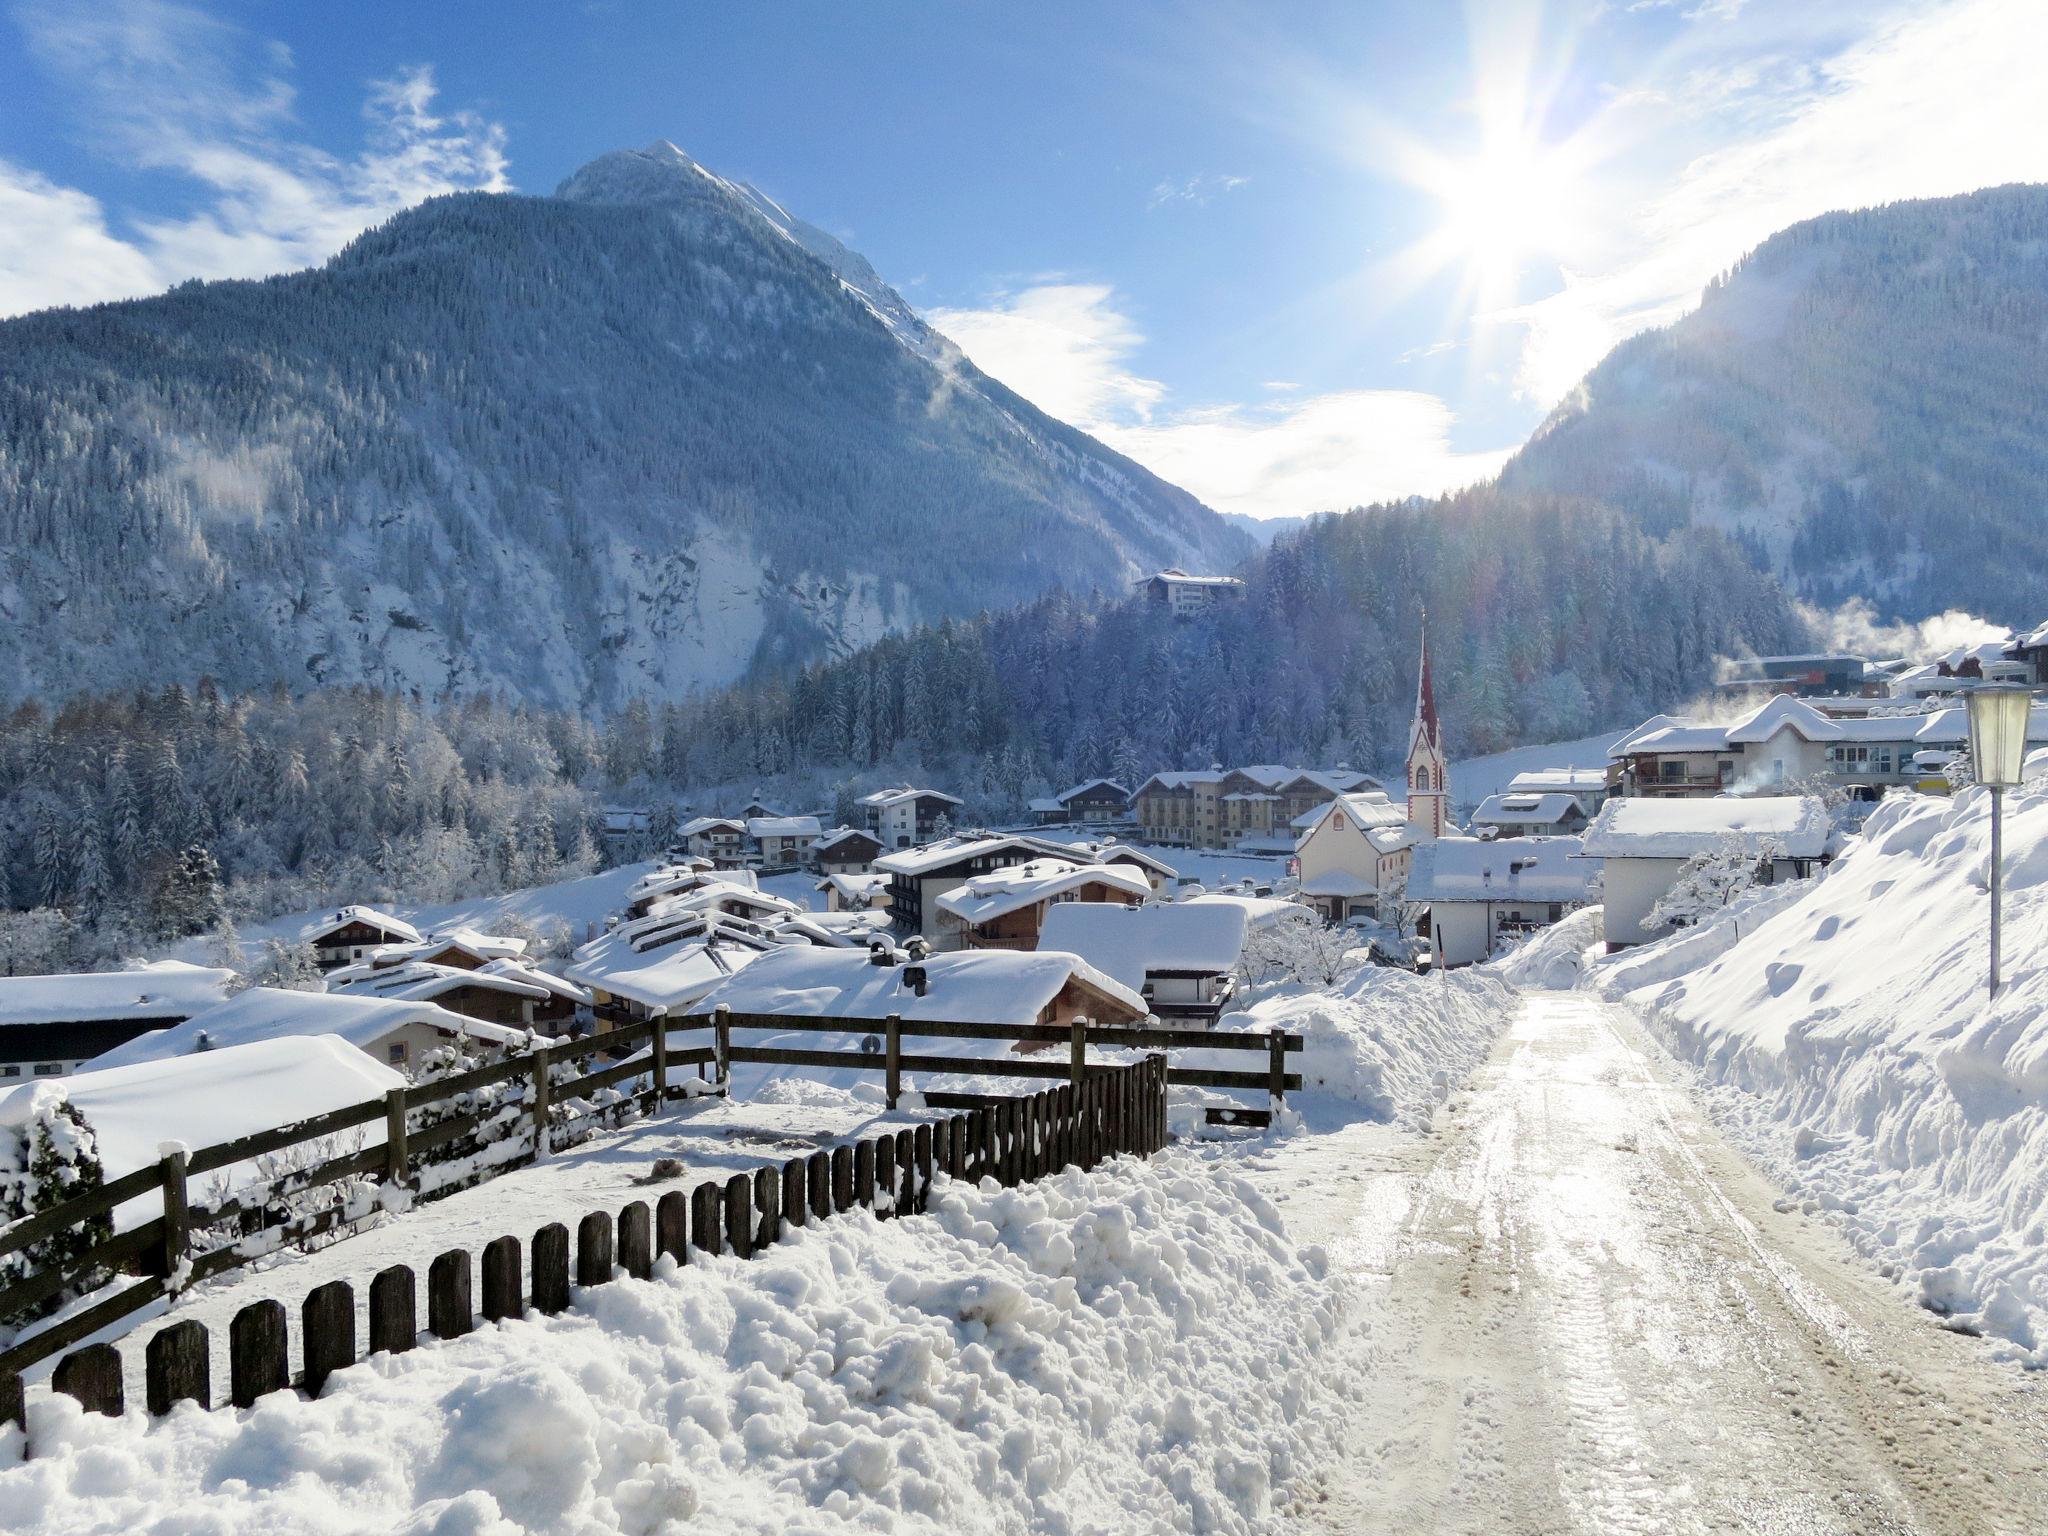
(1133, 1350)
(1843, 1030)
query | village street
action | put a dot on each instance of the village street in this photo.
(1580, 1311)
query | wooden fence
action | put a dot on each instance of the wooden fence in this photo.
(1110, 1110)
(158, 1258)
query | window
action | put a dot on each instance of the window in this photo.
(49, 1069)
(395, 1053)
(9, 1069)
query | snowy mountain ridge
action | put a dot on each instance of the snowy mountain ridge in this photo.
(650, 434)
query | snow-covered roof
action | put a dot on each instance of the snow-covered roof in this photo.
(359, 914)
(268, 1013)
(782, 826)
(951, 850)
(2034, 639)
(1173, 576)
(980, 986)
(1124, 853)
(984, 898)
(421, 981)
(677, 976)
(696, 826)
(533, 976)
(1045, 803)
(1570, 781)
(168, 989)
(1680, 828)
(1524, 810)
(484, 946)
(854, 887)
(1544, 869)
(212, 1096)
(887, 797)
(673, 879)
(1260, 912)
(827, 841)
(1338, 883)
(1128, 943)
(1082, 788)
(1784, 712)
(1371, 812)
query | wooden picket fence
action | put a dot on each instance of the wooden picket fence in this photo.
(1108, 1111)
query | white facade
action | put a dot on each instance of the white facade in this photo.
(1643, 844)
(1354, 856)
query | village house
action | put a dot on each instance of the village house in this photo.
(919, 876)
(783, 842)
(2030, 651)
(979, 986)
(626, 830)
(499, 992)
(1181, 957)
(672, 880)
(394, 1031)
(1225, 808)
(1096, 800)
(1588, 786)
(857, 892)
(660, 964)
(721, 839)
(1187, 597)
(1354, 856)
(51, 1025)
(845, 851)
(463, 948)
(1518, 815)
(905, 816)
(1005, 908)
(1642, 845)
(352, 933)
(1481, 893)
(1162, 876)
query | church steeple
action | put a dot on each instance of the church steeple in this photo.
(1428, 770)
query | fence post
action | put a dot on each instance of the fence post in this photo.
(721, 1018)
(394, 1311)
(502, 1293)
(921, 1151)
(864, 1175)
(395, 1150)
(739, 1216)
(176, 1208)
(327, 1332)
(767, 1206)
(1276, 1068)
(658, 1045)
(818, 1175)
(177, 1366)
(704, 1218)
(794, 1196)
(906, 1171)
(636, 1239)
(893, 1046)
(842, 1178)
(594, 1249)
(886, 1182)
(449, 1312)
(551, 1268)
(93, 1376)
(1077, 1051)
(541, 1087)
(258, 1357)
(672, 1226)
(13, 1402)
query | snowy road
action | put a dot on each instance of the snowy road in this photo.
(1581, 1312)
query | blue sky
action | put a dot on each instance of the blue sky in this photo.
(1290, 256)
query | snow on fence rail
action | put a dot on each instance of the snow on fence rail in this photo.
(1107, 1111)
(158, 1255)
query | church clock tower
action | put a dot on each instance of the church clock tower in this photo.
(1428, 773)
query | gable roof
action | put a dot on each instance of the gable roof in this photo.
(782, 826)
(1082, 788)
(1570, 781)
(951, 850)
(1784, 712)
(827, 841)
(984, 898)
(1526, 810)
(267, 1013)
(976, 986)
(1127, 943)
(422, 981)
(666, 962)
(1536, 869)
(697, 825)
(887, 797)
(1680, 828)
(1384, 823)
(169, 989)
(359, 914)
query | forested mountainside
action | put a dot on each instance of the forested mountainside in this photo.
(1862, 401)
(1549, 616)
(609, 444)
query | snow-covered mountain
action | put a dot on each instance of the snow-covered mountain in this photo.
(1862, 401)
(649, 433)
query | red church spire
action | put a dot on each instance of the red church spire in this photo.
(1427, 729)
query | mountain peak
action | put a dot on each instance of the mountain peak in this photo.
(659, 173)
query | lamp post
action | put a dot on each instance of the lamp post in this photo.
(1998, 749)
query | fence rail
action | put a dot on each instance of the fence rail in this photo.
(1109, 1111)
(159, 1251)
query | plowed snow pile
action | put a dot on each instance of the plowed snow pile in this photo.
(1135, 1350)
(1844, 1029)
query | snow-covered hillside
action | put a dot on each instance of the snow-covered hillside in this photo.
(1842, 1028)
(642, 435)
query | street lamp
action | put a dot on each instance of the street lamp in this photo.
(1998, 749)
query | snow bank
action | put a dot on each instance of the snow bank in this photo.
(1387, 1041)
(1135, 1350)
(1843, 1029)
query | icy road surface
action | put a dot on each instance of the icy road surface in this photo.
(1580, 1311)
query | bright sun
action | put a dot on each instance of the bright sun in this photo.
(1502, 206)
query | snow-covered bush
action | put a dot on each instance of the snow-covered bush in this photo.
(1712, 878)
(1305, 951)
(48, 1154)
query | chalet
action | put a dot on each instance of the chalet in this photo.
(661, 884)
(919, 876)
(1481, 893)
(904, 816)
(501, 992)
(1095, 800)
(1162, 876)
(845, 851)
(756, 809)
(973, 986)
(352, 933)
(1221, 808)
(1185, 596)
(2031, 652)
(854, 892)
(1181, 957)
(394, 1031)
(1354, 856)
(783, 842)
(1643, 843)
(51, 1025)
(1519, 815)
(1005, 908)
(463, 948)
(626, 830)
(1588, 786)
(727, 898)
(721, 839)
(658, 965)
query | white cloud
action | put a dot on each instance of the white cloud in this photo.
(1201, 190)
(1923, 105)
(1065, 347)
(171, 89)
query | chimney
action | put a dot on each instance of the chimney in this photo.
(914, 978)
(879, 953)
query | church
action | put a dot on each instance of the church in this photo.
(1353, 859)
